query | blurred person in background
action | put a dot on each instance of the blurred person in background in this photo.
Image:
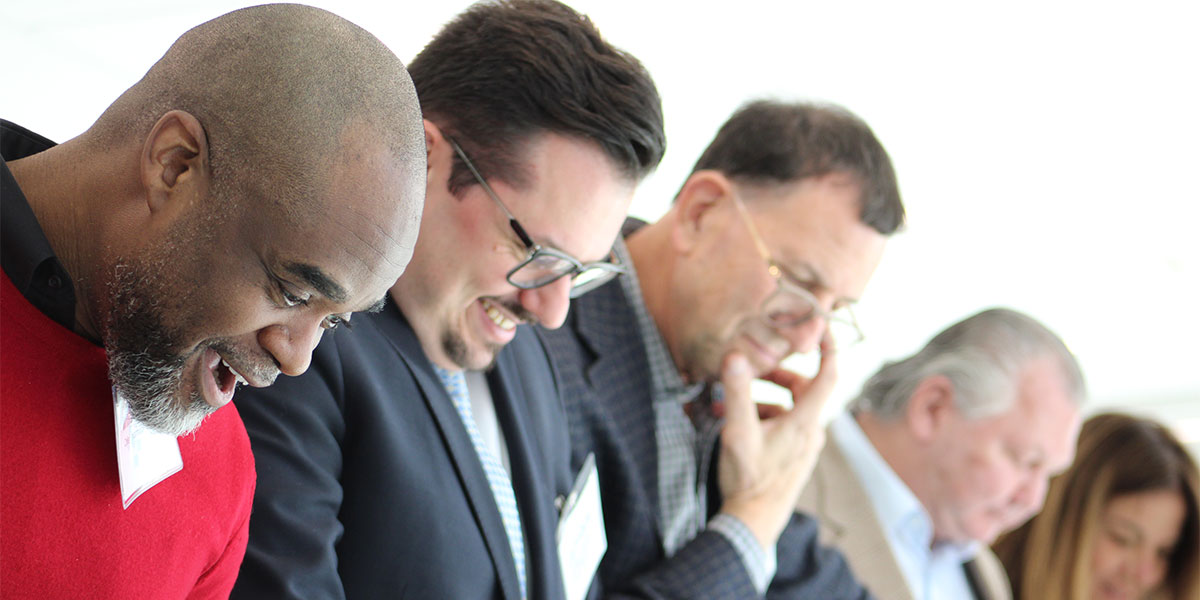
(1122, 523)
(945, 450)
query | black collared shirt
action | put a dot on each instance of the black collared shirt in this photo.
(25, 253)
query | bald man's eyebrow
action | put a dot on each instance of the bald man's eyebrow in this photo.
(318, 280)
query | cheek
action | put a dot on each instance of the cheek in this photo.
(1105, 555)
(987, 485)
(231, 309)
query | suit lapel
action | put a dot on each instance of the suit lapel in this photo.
(606, 323)
(986, 576)
(458, 444)
(851, 524)
(529, 484)
(972, 573)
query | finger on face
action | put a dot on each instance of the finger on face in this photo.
(736, 374)
(765, 411)
(827, 371)
(803, 400)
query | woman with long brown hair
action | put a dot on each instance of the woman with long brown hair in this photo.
(1122, 523)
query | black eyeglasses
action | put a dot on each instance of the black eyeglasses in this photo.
(545, 265)
(790, 304)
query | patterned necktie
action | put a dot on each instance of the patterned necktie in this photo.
(498, 480)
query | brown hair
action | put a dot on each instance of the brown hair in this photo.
(505, 71)
(1049, 557)
(770, 142)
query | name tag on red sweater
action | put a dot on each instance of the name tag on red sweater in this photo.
(144, 456)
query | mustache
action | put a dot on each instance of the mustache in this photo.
(515, 308)
(257, 367)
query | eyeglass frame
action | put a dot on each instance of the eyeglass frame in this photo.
(783, 285)
(535, 249)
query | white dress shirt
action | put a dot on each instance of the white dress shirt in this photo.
(932, 571)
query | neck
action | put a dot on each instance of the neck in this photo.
(894, 445)
(653, 258)
(66, 186)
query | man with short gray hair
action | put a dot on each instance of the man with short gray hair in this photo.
(945, 450)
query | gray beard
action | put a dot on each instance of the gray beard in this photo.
(143, 364)
(152, 390)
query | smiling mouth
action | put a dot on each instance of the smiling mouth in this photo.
(497, 316)
(226, 369)
(225, 376)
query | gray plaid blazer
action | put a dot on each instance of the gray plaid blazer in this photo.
(605, 380)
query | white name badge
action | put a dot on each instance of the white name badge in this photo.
(581, 538)
(144, 456)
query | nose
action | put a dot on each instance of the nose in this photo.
(1149, 568)
(292, 344)
(806, 336)
(1032, 493)
(549, 302)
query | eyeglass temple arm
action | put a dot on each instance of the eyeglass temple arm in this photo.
(512, 221)
(758, 243)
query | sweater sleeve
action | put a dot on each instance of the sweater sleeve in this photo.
(217, 582)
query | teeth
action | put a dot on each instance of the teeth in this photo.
(498, 317)
(236, 376)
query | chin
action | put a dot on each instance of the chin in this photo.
(175, 415)
(471, 357)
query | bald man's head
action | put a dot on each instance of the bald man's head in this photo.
(274, 88)
(281, 174)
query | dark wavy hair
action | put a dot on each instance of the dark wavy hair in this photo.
(502, 72)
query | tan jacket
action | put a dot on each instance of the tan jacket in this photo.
(848, 522)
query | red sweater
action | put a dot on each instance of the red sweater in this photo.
(63, 533)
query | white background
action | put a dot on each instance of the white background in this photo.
(1047, 151)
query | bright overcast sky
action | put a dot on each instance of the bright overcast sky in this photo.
(1047, 151)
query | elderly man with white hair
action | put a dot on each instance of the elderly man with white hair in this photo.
(945, 450)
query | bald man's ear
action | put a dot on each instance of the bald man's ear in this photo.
(174, 160)
(433, 139)
(931, 407)
(703, 191)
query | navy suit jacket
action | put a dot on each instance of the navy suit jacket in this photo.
(369, 487)
(606, 386)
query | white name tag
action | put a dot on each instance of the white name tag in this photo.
(581, 538)
(144, 456)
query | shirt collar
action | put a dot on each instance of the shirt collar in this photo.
(898, 509)
(26, 257)
(896, 506)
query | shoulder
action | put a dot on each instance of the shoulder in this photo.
(220, 447)
(218, 475)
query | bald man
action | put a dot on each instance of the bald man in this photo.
(260, 183)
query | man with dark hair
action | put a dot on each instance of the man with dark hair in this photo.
(943, 451)
(423, 453)
(770, 240)
(203, 232)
